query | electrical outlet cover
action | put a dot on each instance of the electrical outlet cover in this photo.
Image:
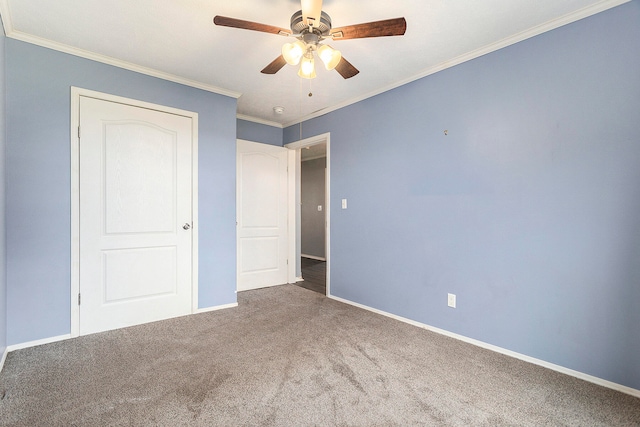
(451, 300)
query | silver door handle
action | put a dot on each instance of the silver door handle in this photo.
(186, 226)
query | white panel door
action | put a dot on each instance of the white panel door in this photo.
(262, 215)
(135, 215)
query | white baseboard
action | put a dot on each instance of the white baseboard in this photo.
(28, 344)
(539, 362)
(318, 258)
(3, 358)
(299, 279)
(215, 308)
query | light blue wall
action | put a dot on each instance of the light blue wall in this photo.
(38, 82)
(256, 132)
(529, 210)
(3, 277)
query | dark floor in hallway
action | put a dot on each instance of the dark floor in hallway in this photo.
(314, 273)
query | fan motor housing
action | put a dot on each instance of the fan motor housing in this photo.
(300, 27)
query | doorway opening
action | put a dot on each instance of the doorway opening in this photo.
(313, 167)
(314, 275)
(310, 213)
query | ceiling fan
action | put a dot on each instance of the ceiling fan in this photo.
(311, 26)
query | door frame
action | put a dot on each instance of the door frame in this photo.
(294, 205)
(76, 94)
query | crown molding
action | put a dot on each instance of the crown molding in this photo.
(17, 35)
(5, 14)
(595, 8)
(601, 6)
(259, 121)
(5, 17)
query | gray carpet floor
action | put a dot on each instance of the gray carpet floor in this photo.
(287, 356)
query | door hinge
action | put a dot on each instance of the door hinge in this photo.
(78, 299)
(78, 132)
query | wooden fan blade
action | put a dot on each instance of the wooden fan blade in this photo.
(274, 66)
(248, 25)
(388, 27)
(345, 69)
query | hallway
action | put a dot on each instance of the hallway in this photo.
(314, 273)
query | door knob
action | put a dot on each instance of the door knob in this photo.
(186, 226)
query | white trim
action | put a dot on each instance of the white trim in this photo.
(38, 342)
(294, 195)
(516, 38)
(75, 211)
(259, 121)
(3, 358)
(5, 14)
(585, 12)
(539, 362)
(76, 93)
(195, 224)
(130, 101)
(317, 258)
(313, 140)
(69, 336)
(319, 156)
(61, 47)
(215, 308)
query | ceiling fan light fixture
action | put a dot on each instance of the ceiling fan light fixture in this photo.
(311, 11)
(310, 26)
(329, 56)
(292, 52)
(307, 68)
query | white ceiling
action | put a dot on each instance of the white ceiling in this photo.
(177, 40)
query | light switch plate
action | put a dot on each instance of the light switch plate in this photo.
(344, 203)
